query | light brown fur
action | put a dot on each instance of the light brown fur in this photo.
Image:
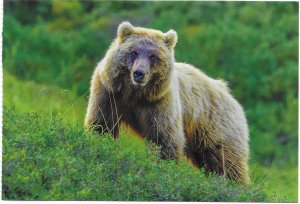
(179, 107)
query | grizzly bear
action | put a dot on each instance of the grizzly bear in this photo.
(176, 106)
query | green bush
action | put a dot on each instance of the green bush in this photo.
(49, 160)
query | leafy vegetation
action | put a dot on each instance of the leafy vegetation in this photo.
(49, 160)
(252, 45)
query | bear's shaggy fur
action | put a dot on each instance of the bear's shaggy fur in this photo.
(176, 105)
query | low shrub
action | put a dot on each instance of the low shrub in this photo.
(51, 160)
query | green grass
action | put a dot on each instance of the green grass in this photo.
(281, 181)
(52, 101)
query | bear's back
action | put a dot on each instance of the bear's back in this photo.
(198, 91)
(204, 99)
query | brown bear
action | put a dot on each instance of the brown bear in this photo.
(174, 105)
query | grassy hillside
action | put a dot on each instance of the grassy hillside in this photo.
(53, 102)
(50, 49)
(52, 158)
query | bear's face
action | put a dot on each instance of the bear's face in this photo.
(146, 54)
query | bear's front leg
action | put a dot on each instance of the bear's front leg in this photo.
(164, 128)
(102, 113)
(172, 141)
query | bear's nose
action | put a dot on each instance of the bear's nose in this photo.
(138, 75)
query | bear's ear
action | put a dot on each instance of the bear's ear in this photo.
(171, 38)
(124, 30)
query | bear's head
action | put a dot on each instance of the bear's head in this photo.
(147, 55)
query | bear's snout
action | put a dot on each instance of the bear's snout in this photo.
(138, 75)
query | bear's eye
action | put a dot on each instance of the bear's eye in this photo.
(153, 58)
(133, 55)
